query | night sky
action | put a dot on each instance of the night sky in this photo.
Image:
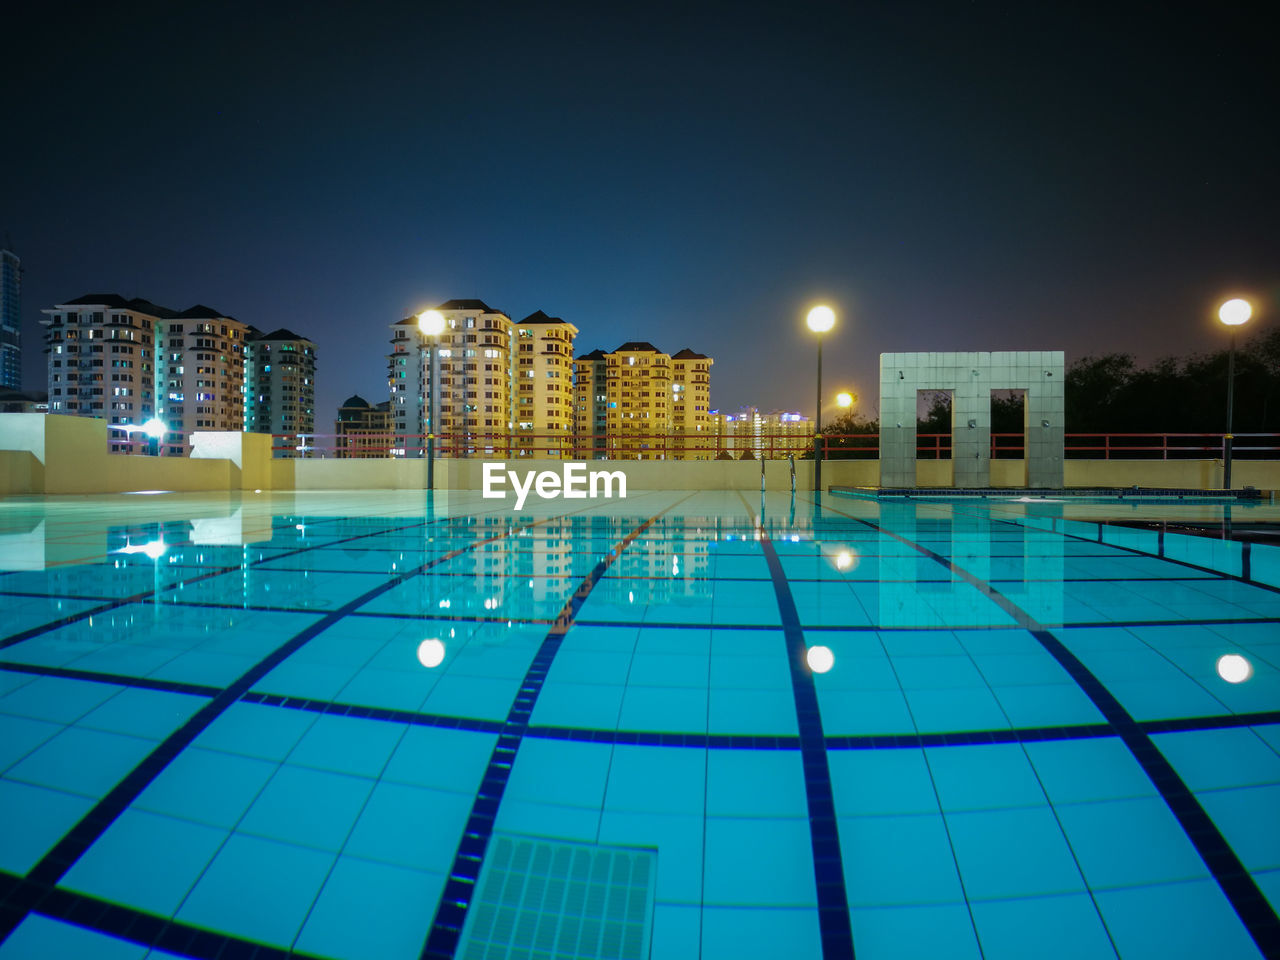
(1030, 175)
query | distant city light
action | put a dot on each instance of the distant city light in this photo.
(820, 659)
(1234, 668)
(431, 652)
(1235, 312)
(821, 319)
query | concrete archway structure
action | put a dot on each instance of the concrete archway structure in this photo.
(971, 377)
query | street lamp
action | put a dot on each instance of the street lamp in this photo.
(1233, 313)
(820, 320)
(431, 323)
(844, 399)
(155, 429)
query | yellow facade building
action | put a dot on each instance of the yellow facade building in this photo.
(544, 387)
(638, 403)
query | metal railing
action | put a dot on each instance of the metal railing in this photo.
(855, 446)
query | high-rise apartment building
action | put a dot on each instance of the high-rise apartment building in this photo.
(771, 435)
(544, 387)
(129, 361)
(638, 403)
(476, 410)
(101, 361)
(691, 426)
(280, 387)
(10, 321)
(362, 431)
(199, 375)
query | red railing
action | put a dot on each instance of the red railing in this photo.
(855, 446)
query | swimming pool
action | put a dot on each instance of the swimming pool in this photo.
(678, 725)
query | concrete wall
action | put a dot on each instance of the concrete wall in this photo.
(51, 454)
(971, 377)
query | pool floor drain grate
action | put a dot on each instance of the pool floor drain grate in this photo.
(541, 899)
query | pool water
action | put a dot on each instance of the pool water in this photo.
(357, 725)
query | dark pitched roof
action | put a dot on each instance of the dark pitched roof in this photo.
(467, 305)
(593, 355)
(99, 299)
(355, 400)
(281, 334)
(117, 302)
(540, 317)
(687, 354)
(201, 312)
(635, 346)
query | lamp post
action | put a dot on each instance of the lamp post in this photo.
(1233, 313)
(431, 323)
(844, 399)
(155, 429)
(820, 320)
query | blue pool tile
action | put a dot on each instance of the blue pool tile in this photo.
(257, 889)
(657, 780)
(146, 861)
(915, 932)
(1075, 771)
(309, 808)
(1175, 921)
(677, 931)
(758, 863)
(867, 711)
(56, 700)
(207, 786)
(771, 712)
(413, 827)
(677, 837)
(348, 745)
(755, 783)
(45, 815)
(888, 781)
(756, 933)
(960, 708)
(588, 705)
(666, 709)
(553, 820)
(1213, 759)
(1016, 852)
(1247, 818)
(478, 697)
(87, 762)
(560, 772)
(895, 861)
(984, 777)
(153, 714)
(42, 938)
(1047, 705)
(441, 758)
(19, 736)
(1066, 927)
(370, 911)
(254, 730)
(1121, 843)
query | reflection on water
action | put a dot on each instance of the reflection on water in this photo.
(820, 659)
(431, 652)
(1234, 668)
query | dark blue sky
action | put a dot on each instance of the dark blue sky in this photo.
(947, 175)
